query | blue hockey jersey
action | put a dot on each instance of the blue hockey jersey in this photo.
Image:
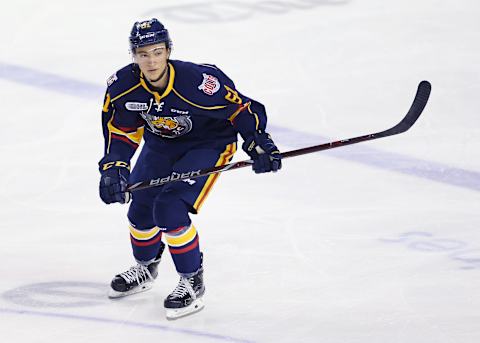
(200, 107)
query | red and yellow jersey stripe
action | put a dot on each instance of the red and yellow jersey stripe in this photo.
(131, 136)
(224, 158)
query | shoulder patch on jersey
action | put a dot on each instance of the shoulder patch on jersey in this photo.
(112, 79)
(210, 84)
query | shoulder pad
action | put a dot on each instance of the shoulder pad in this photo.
(112, 79)
(213, 66)
(123, 79)
(204, 84)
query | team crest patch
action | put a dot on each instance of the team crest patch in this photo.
(136, 106)
(168, 127)
(112, 79)
(210, 84)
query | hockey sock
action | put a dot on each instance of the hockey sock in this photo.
(145, 243)
(184, 248)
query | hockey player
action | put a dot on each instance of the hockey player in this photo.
(189, 116)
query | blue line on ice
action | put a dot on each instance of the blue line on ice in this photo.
(125, 323)
(48, 81)
(361, 154)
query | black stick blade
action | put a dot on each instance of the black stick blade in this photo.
(419, 103)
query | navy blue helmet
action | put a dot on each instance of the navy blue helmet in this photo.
(148, 32)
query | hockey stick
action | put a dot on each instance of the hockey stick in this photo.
(421, 99)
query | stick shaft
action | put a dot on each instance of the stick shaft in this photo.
(416, 109)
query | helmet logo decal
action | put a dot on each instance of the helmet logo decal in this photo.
(148, 35)
(145, 25)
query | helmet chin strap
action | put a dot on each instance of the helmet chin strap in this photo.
(161, 75)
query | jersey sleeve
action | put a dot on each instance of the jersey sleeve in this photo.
(244, 113)
(247, 116)
(122, 131)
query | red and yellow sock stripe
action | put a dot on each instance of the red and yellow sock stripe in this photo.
(143, 238)
(182, 240)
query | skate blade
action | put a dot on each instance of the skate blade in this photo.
(195, 306)
(113, 294)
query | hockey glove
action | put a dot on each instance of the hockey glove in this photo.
(263, 152)
(114, 181)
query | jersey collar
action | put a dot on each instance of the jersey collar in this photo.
(167, 91)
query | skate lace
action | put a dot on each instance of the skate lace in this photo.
(138, 273)
(185, 285)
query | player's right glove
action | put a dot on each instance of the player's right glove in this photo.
(114, 181)
(263, 152)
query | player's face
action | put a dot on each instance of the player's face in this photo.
(152, 60)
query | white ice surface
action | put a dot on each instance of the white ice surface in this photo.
(334, 248)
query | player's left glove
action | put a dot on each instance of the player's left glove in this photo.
(263, 152)
(114, 181)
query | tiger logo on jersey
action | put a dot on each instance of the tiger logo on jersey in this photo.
(168, 127)
(166, 123)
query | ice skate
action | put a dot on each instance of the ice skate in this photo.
(137, 279)
(187, 298)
